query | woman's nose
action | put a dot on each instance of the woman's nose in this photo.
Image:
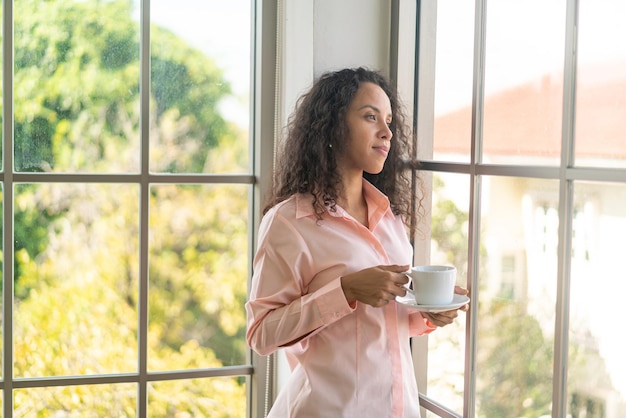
(385, 132)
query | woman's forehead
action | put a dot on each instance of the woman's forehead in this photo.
(373, 96)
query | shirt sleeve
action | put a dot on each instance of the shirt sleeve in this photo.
(419, 325)
(279, 311)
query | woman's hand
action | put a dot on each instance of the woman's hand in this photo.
(441, 319)
(375, 286)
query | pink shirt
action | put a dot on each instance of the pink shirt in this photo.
(346, 361)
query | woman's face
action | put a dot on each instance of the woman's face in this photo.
(369, 137)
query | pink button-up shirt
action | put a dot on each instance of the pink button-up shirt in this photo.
(346, 361)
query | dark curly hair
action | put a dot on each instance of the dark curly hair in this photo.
(316, 131)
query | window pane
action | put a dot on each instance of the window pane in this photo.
(198, 271)
(449, 232)
(76, 84)
(119, 400)
(454, 80)
(601, 84)
(200, 85)
(76, 269)
(517, 287)
(596, 378)
(223, 397)
(524, 82)
(2, 325)
(1, 98)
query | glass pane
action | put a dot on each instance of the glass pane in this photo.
(517, 286)
(453, 80)
(2, 325)
(76, 278)
(1, 98)
(200, 85)
(76, 86)
(596, 380)
(449, 240)
(223, 397)
(601, 84)
(198, 276)
(524, 82)
(119, 400)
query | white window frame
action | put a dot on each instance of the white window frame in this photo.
(566, 173)
(263, 59)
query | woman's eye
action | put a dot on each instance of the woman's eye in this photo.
(371, 117)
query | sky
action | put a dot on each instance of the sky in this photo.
(529, 44)
(222, 30)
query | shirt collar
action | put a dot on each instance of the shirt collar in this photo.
(377, 204)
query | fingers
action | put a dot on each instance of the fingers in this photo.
(441, 319)
(461, 290)
(393, 279)
(381, 299)
(395, 268)
(379, 303)
(375, 286)
(392, 284)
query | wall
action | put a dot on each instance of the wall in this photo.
(324, 35)
(351, 33)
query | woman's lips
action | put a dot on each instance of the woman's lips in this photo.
(382, 150)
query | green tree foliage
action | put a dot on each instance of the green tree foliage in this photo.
(190, 104)
(76, 77)
(77, 245)
(198, 251)
(449, 229)
(515, 376)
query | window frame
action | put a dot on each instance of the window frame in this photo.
(263, 61)
(566, 173)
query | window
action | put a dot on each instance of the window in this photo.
(128, 189)
(521, 130)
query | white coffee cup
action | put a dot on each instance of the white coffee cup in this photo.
(433, 285)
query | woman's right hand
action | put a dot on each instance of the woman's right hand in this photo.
(375, 286)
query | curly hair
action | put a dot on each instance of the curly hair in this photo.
(316, 134)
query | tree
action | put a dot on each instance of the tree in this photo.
(515, 377)
(77, 248)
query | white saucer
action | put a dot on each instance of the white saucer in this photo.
(457, 302)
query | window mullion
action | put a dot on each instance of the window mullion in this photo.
(144, 221)
(469, 393)
(7, 207)
(266, 72)
(566, 188)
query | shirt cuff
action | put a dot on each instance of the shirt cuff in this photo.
(332, 303)
(420, 325)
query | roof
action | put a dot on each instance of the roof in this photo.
(527, 120)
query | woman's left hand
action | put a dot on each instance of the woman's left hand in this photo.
(441, 319)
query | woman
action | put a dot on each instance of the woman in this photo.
(332, 250)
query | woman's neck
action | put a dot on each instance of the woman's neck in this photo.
(351, 199)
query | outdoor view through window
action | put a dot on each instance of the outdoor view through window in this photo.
(125, 207)
(518, 253)
(128, 206)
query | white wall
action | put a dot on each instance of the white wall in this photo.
(325, 35)
(351, 33)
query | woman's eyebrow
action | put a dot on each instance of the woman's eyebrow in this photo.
(374, 108)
